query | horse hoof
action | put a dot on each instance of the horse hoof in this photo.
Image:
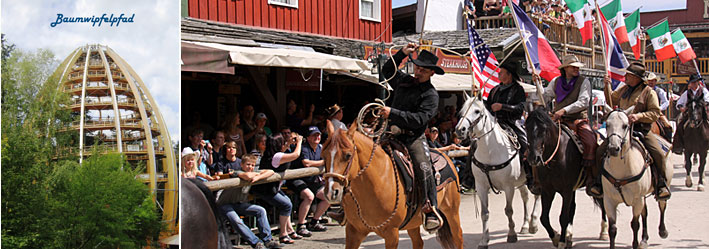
(482, 247)
(556, 239)
(561, 245)
(533, 230)
(604, 236)
(664, 234)
(688, 182)
(512, 238)
(643, 245)
(700, 187)
(524, 230)
(569, 244)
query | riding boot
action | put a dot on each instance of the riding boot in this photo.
(531, 183)
(433, 219)
(593, 185)
(658, 158)
(662, 192)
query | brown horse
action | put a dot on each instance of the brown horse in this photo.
(361, 177)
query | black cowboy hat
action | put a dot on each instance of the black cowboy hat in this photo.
(428, 60)
(637, 69)
(513, 68)
(694, 77)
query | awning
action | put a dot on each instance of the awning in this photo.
(447, 82)
(281, 57)
(196, 58)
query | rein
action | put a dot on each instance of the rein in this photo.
(342, 178)
(558, 142)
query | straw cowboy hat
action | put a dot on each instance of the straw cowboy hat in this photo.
(636, 69)
(428, 60)
(570, 60)
(650, 76)
(332, 110)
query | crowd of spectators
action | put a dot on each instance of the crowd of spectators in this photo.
(548, 10)
(244, 146)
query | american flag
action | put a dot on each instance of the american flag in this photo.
(484, 62)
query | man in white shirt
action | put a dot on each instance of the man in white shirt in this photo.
(694, 93)
(664, 124)
(570, 92)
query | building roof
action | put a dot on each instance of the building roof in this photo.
(458, 39)
(209, 31)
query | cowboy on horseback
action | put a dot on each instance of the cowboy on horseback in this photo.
(637, 93)
(414, 103)
(663, 123)
(506, 102)
(571, 93)
(696, 95)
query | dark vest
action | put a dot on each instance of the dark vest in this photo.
(570, 99)
(699, 98)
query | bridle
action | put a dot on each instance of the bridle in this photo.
(558, 142)
(345, 182)
(624, 138)
(475, 123)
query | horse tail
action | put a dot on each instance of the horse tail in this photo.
(222, 231)
(444, 234)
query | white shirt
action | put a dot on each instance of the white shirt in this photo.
(579, 105)
(683, 99)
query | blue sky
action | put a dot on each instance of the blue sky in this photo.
(628, 5)
(150, 45)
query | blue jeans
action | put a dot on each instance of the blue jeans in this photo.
(280, 201)
(232, 212)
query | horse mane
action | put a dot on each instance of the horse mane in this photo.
(339, 139)
(540, 114)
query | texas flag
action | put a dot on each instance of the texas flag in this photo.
(615, 59)
(543, 59)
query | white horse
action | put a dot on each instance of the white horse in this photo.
(627, 178)
(494, 148)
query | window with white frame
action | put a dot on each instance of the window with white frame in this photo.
(287, 3)
(370, 10)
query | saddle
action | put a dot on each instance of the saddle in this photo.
(574, 138)
(413, 184)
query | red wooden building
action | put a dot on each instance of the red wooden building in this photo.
(368, 20)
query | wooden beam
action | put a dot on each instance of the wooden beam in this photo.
(287, 175)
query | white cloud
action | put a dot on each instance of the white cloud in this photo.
(150, 45)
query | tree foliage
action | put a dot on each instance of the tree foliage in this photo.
(48, 203)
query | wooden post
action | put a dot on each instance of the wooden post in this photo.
(565, 41)
(287, 175)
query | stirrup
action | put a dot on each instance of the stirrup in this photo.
(434, 225)
(663, 195)
(594, 191)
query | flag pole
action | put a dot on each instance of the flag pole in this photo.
(472, 73)
(698, 72)
(603, 45)
(537, 82)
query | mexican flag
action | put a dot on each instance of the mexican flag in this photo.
(682, 47)
(634, 33)
(614, 14)
(662, 41)
(581, 10)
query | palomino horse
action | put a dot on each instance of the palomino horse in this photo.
(361, 177)
(696, 141)
(201, 223)
(557, 162)
(626, 178)
(496, 150)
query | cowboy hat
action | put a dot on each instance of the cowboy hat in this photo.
(694, 77)
(570, 60)
(650, 76)
(428, 60)
(513, 68)
(187, 151)
(636, 69)
(332, 110)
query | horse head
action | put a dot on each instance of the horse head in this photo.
(696, 114)
(539, 127)
(471, 114)
(618, 130)
(339, 155)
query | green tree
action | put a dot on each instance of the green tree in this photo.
(101, 205)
